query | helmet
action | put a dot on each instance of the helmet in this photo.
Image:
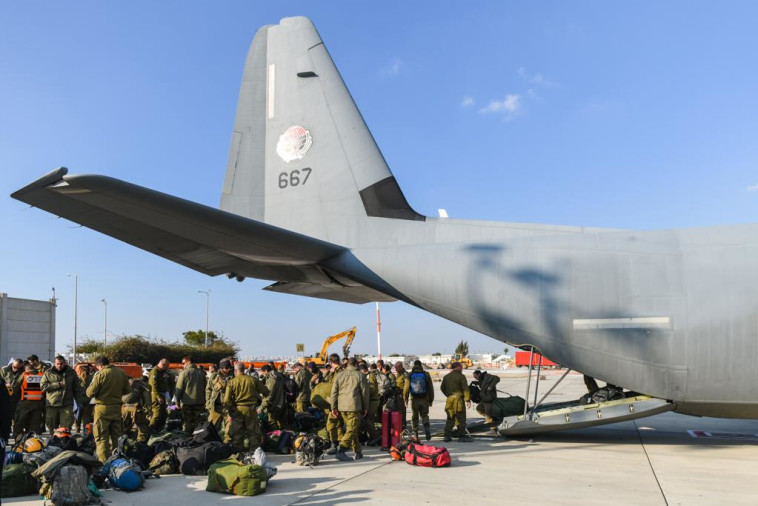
(61, 432)
(299, 443)
(33, 444)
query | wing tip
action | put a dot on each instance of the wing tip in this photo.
(51, 177)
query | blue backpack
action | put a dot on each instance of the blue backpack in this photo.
(418, 384)
(125, 475)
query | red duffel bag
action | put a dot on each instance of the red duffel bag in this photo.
(427, 455)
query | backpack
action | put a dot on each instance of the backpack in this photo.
(196, 461)
(40, 458)
(418, 384)
(608, 393)
(475, 392)
(71, 487)
(87, 444)
(13, 458)
(304, 422)
(308, 449)
(278, 441)
(205, 433)
(290, 389)
(168, 441)
(164, 462)
(230, 476)
(384, 384)
(258, 457)
(123, 474)
(17, 481)
(136, 450)
(64, 443)
(427, 455)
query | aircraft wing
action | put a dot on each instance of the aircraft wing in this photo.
(202, 238)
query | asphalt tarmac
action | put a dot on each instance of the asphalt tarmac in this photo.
(668, 459)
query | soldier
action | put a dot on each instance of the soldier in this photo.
(273, 403)
(373, 401)
(334, 423)
(160, 393)
(455, 388)
(107, 387)
(29, 408)
(316, 376)
(61, 386)
(488, 393)
(136, 407)
(350, 400)
(12, 375)
(421, 391)
(401, 378)
(375, 405)
(190, 394)
(303, 380)
(39, 367)
(241, 397)
(84, 415)
(214, 394)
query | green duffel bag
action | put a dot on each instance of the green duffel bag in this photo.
(321, 395)
(508, 406)
(18, 481)
(231, 476)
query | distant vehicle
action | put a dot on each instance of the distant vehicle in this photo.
(465, 362)
(522, 360)
(320, 359)
(132, 369)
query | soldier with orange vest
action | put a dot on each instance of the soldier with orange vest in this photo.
(29, 408)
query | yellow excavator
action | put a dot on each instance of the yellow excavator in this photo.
(320, 359)
(464, 360)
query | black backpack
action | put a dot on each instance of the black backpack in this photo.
(135, 450)
(475, 392)
(196, 461)
(290, 389)
(205, 433)
(64, 443)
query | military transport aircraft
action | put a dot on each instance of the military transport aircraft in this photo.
(309, 202)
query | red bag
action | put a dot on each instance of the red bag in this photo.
(427, 455)
(392, 426)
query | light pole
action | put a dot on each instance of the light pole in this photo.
(76, 309)
(378, 332)
(105, 325)
(207, 311)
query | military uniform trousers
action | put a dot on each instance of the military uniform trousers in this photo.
(84, 416)
(158, 419)
(216, 418)
(352, 426)
(277, 418)
(27, 419)
(107, 429)
(334, 427)
(374, 411)
(59, 416)
(245, 423)
(192, 416)
(132, 415)
(419, 408)
(455, 409)
(485, 408)
(302, 406)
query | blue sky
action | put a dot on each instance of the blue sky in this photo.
(638, 115)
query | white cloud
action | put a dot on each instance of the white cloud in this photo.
(508, 107)
(536, 78)
(467, 101)
(394, 68)
(753, 188)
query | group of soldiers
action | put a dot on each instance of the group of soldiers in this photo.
(352, 395)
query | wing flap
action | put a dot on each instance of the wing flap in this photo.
(352, 294)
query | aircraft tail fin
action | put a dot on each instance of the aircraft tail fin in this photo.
(301, 156)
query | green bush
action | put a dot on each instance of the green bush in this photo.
(141, 349)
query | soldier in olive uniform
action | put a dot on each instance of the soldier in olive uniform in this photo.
(334, 423)
(13, 375)
(241, 397)
(350, 400)
(190, 394)
(455, 388)
(84, 415)
(136, 408)
(214, 394)
(160, 393)
(107, 387)
(373, 403)
(303, 380)
(375, 395)
(421, 391)
(401, 378)
(61, 386)
(488, 393)
(274, 404)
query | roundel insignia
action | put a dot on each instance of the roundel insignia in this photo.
(294, 143)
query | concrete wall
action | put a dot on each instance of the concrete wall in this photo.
(26, 327)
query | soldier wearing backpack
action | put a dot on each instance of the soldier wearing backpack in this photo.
(421, 391)
(215, 391)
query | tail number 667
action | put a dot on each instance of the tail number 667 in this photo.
(294, 177)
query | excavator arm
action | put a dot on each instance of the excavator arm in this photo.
(350, 334)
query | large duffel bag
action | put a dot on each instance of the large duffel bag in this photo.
(508, 406)
(129, 448)
(230, 476)
(164, 462)
(124, 474)
(196, 461)
(427, 455)
(205, 433)
(17, 481)
(169, 440)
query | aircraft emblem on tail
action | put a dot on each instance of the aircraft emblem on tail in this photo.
(294, 144)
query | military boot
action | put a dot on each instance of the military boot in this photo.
(341, 454)
(358, 456)
(447, 438)
(333, 449)
(427, 431)
(465, 439)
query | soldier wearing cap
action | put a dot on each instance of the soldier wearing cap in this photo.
(455, 388)
(215, 391)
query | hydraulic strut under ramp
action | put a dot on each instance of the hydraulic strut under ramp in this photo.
(572, 415)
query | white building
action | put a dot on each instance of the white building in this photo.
(26, 327)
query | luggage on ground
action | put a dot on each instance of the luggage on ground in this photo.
(205, 433)
(129, 448)
(258, 457)
(40, 458)
(278, 441)
(87, 444)
(392, 426)
(230, 476)
(308, 449)
(71, 487)
(305, 422)
(124, 474)
(62, 439)
(196, 461)
(169, 440)
(17, 481)
(13, 458)
(508, 406)
(164, 462)
(427, 455)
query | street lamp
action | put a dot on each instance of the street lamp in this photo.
(105, 325)
(76, 309)
(207, 311)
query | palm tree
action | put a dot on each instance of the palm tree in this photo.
(462, 349)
